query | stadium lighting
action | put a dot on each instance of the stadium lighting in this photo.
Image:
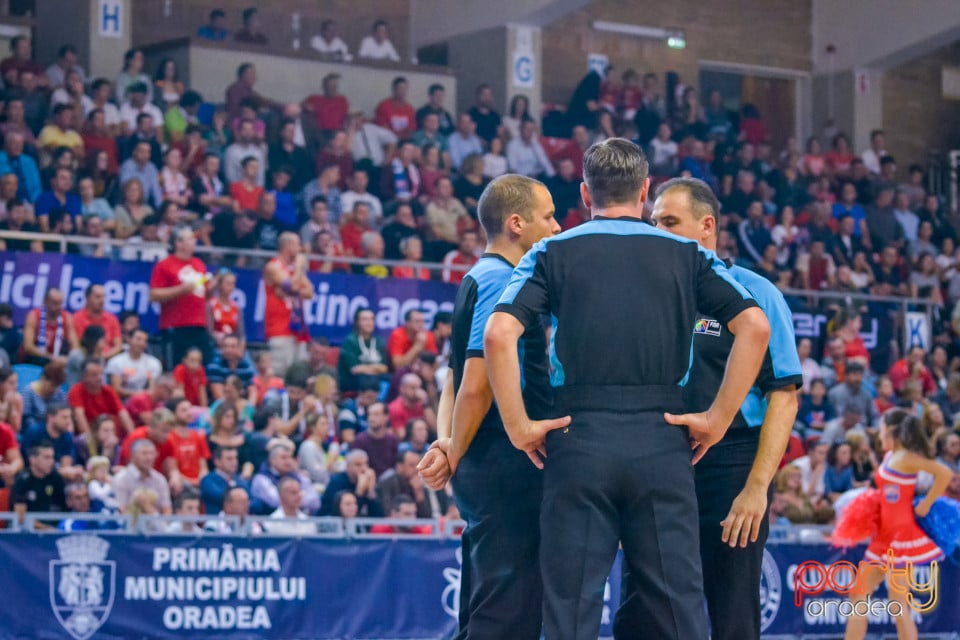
(675, 38)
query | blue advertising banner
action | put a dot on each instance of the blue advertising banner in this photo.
(25, 277)
(113, 587)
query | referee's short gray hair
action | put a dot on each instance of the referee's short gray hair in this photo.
(703, 202)
(505, 195)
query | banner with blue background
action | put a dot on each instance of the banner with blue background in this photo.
(113, 587)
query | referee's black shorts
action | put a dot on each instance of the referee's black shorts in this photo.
(498, 492)
(621, 477)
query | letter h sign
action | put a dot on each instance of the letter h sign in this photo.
(110, 18)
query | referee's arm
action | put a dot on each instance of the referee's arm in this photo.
(523, 302)
(779, 378)
(720, 297)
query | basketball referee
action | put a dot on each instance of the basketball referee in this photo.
(621, 297)
(497, 490)
(733, 478)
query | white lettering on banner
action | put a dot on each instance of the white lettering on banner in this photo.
(25, 290)
(337, 309)
(809, 325)
(218, 588)
(224, 558)
(216, 618)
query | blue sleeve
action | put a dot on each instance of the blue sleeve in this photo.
(33, 181)
(719, 295)
(488, 294)
(781, 367)
(527, 296)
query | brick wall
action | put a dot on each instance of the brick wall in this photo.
(915, 115)
(773, 33)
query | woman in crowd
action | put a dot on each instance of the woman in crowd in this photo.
(430, 170)
(815, 409)
(72, 93)
(847, 324)
(798, 508)
(11, 403)
(166, 82)
(103, 176)
(223, 313)
(48, 389)
(839, 158)
(132, 74)
(225, 432)
(363, 353)
(886, 397)
(470, 183)
(132, 209)
(318, 454)
(345, 505)
(925, 280)
(517, 114)
(101, 440)
(417, 435)
(861, 273)
(939, 366)
(813, 163)
(838, 477)
(173, 184)
(494, 162)
(932, 418)
(233, 396)
(863, 458)
(809, 366)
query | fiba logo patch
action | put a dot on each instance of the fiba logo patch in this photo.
(450, 599)
(771, 590)
(82, 584)
(707, 326)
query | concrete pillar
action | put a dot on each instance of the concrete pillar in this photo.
(99, 29)
(867, 106)
(109, 38)
(524, 73)
(856, 101)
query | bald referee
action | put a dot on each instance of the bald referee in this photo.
(733, 478)
(621, 297)
(497, 490)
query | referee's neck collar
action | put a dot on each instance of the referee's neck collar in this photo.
(496, 256)
(624, 218)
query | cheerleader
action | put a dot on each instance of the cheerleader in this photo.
(897, 529)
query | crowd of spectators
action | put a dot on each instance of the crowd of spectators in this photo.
(205, 422)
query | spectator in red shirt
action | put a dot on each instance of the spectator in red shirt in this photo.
(848, 323)
(181, 285)
(902, 370)
(395, 113)
(190, 448)
(48, 332)
(412, 250)
(158, 432)
(464, 256)
(330, 109)
(190, 375)
(406, 342)
(410, 404)
(355, 224)
(93, 313)
(90, 399)
(11, 463)
(246, 191)
(141, 405)
(264, 381)
(20, 60)
(338, 152)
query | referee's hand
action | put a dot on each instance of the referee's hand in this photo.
(702, 436)
(531, 437)
(434, 468)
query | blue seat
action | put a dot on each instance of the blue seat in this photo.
(26, 373)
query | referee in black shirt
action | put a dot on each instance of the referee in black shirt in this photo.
(734, 478)
(497, 490)
(621, 297)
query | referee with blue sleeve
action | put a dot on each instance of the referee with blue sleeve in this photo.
(733, 479)
(497, 490)
(621, 297)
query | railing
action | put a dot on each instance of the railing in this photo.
(63, 242)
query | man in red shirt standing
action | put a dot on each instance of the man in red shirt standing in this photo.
(180, 284)
(190, 448)
(395, 113)
(329, 110)
(93, 313)
(464, 256)
(410, 404)
(286, 286)
(90, 399)
(405, 343)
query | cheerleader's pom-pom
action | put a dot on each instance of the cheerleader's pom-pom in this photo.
(859, 521)
(942, 524)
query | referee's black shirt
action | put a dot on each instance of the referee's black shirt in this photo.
(478, 294)
(621, 296)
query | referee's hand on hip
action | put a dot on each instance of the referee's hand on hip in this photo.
(530, 437)
(702, 436)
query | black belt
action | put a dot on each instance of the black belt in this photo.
(620, 398)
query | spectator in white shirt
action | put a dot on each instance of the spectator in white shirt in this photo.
(370, 141)
(66, 61)
(359, 182)
(663, 153)
(377, 46)
(329, 45)
(494, 164)
(878, 149)
(244, 147)
(135, 105)
(288, 513)
(133, 370)
(463, 141)
(526, 156)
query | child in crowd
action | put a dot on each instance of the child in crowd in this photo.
(192, 379)
(100, 486)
